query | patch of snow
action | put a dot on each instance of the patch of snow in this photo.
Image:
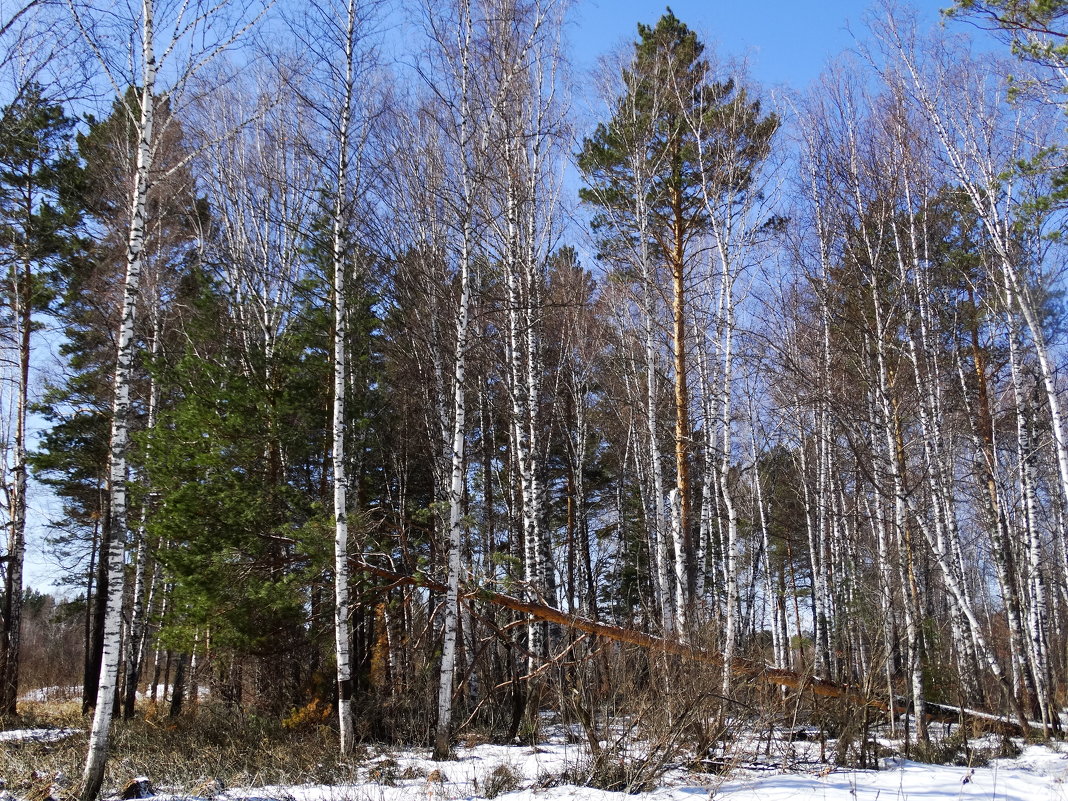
(1004, 780)
(45, 694)
(37, 735)
(763, 766)
(164, 691)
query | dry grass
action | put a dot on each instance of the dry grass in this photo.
(212, 748)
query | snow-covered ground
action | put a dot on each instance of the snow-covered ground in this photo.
(1038, 774)
(49, 694)
(779, 769)
(516, 773)
(55, 694)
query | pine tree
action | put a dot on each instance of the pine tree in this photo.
(678, 140)
(73, 455)
(36, 222)
(240, 459)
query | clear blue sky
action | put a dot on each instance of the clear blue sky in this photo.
(787, 42)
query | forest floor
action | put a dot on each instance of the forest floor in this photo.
(40, 763)
(543, 772)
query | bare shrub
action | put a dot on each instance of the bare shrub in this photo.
(502, 779)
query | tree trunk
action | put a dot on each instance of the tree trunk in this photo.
(342, 636)
(684, 563)
(120, 434)
(11, 613)
(442, 738)
(136, 640)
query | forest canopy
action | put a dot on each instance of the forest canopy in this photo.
(376, 373)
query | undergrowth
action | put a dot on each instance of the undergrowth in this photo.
(212, 748)
(958, 749)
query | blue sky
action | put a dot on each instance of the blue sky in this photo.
(787, 42)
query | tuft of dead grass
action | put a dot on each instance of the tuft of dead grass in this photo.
(213, 748)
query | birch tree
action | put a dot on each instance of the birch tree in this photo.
(528, 118)
(732, 140)
(174, 41)
(977, 136)
(340, 92)
(453, 33)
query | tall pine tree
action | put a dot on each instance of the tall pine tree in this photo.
(678, 138)
(36, 221)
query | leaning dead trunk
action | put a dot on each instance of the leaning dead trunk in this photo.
(743, 668)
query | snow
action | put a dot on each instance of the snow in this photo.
(901, 779)
(163, 691)
(49, 694)
(1040, 773)
(547, 772)
(37, 735)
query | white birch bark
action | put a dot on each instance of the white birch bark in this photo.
(136, 640)
(1033, 589)
(338, 423)
(341, 130)
(342, 637)
(894, 459)
(817, 430)
(813, 543)
(465, 122)
(978, 140)
(660, 527)
(93, 775)
(521, 281)
(731, 545)
(192, 35)
(455, 529)
(707, 555)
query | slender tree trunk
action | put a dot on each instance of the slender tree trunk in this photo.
(1033, 589)
(455, 530)
(663, 578)
(685, 575)
(442, 739)
(11, 612)
(89, 688)
(136, 638)
(731, 544)
(342, 635)
(120, 435)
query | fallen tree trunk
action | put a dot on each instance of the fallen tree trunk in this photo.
(743, 668)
